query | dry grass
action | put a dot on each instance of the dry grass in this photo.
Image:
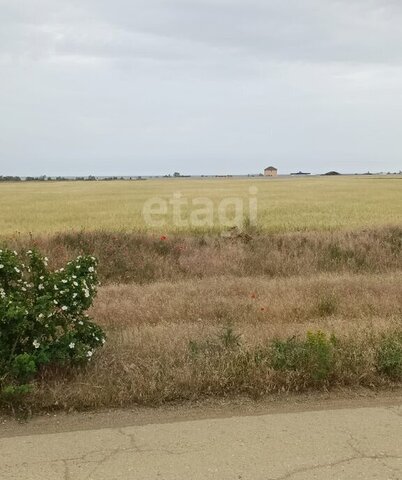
(190, 317)
(258, 301)
(185, 340)
(131, 257)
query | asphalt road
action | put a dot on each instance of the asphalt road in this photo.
(346, 443)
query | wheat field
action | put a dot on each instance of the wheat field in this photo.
(284, 204)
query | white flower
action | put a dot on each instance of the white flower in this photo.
(80, 322)
(1, 266)
(64, 308)
(74, 276)
(55, 287)
(17, 269)
(91, 269)
(90, 353)
(41, 287)
(29, 252)
(75, 294)
(46, 259)
(64, 281)
(103, 341)
(23, 289)
(36, 344)
(72, 345)
(15, 253)
(55, 302)
(75, 284)
(40, 315)
(41, 277)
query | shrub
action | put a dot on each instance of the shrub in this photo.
(14, 397)
(312, 356)
(287, 354)
(319, 358)
(389, 356)
(42, 316)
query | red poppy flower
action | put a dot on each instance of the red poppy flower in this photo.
(163, 238)
(253, 295)
(262, 309)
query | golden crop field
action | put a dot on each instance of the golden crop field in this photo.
(284, 204)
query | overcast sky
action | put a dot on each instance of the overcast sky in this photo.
(136, 87)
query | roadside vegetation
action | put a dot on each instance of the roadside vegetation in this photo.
(188, 317)
(140, 258)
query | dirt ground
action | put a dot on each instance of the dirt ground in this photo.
(204, 409)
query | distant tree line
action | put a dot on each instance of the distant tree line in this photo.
(9, 179)
(44, 178)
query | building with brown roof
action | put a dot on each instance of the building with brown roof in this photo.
(270, 172)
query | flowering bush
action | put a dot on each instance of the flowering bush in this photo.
(42, 315)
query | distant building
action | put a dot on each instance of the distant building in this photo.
(270, 172)
(301, 173)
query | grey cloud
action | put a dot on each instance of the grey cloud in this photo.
(310, 30)
(152, 86)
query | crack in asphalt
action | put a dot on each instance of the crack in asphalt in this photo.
(134, 448)
(333, 464)
(67, 475)
(104, 460)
